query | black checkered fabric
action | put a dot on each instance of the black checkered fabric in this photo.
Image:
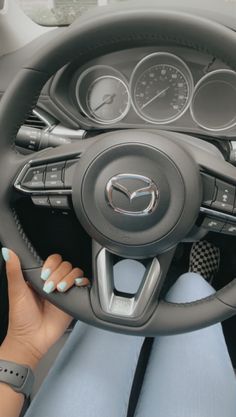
(204, 259)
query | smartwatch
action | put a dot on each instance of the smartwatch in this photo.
(19, 377)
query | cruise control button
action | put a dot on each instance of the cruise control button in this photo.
(213, 225)
(229, 229)
(225, 197)
(69, 173)
(34, 178)
(54, 183)
(61, 202)
(57, 167)
(209, 189)
(41, 201)
(53, 178)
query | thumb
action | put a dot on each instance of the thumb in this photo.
(16, 283)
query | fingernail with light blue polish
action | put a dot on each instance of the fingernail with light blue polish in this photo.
(45, 274)
(49, 287)
(5, 254)
(79, 281)
(62, 286)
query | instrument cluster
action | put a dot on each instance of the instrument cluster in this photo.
(160, 90)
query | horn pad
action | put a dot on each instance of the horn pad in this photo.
(136, 193)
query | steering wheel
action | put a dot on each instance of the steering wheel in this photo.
(157, 174)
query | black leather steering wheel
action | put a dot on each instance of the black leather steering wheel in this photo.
(161, 167)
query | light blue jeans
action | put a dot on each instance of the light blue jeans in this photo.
(188, 375)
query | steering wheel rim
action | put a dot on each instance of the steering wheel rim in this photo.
(129, 27)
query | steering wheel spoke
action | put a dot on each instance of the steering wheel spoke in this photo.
(121, 307)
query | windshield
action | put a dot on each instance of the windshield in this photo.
(64, 12)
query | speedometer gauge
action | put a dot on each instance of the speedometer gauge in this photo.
(103, 95)
(161, 93)
(161, 87)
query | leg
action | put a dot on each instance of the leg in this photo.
(93, 375)
(189, 374)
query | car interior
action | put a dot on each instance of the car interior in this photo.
(118, 141)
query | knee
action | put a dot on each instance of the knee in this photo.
(190, 279)
(189, 287)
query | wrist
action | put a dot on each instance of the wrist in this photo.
(15, 351)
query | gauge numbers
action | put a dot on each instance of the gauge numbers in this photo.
(161, 93)
(161, 87)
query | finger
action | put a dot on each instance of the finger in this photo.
(82, 282)
(16, 283)
(50, 265)
(68, 281)
(63, 270)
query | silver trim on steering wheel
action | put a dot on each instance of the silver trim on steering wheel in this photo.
(122, 306)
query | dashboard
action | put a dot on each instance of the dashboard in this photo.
(165, 88)
(157, 87)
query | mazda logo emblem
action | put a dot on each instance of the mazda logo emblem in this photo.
(149, 188)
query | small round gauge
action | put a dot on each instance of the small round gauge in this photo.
(162, 87)
(103, 95)
(213, 105)
(108, 99)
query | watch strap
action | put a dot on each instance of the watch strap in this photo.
(19, 377)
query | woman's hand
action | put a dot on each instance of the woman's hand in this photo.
(34, 323)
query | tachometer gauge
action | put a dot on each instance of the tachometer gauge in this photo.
(108, 99)
(161, 87)
(103, 95)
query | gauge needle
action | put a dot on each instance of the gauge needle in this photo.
(108, 100)
(154, 98)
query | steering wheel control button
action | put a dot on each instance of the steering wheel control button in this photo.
(209, 189)
(229, 229)
(34, 178)
(59, 202)
(53, 178)
(225, 197)
(213, 224)
(69, 173)
(41, 201)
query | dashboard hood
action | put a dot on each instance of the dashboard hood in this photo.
(222, 11)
